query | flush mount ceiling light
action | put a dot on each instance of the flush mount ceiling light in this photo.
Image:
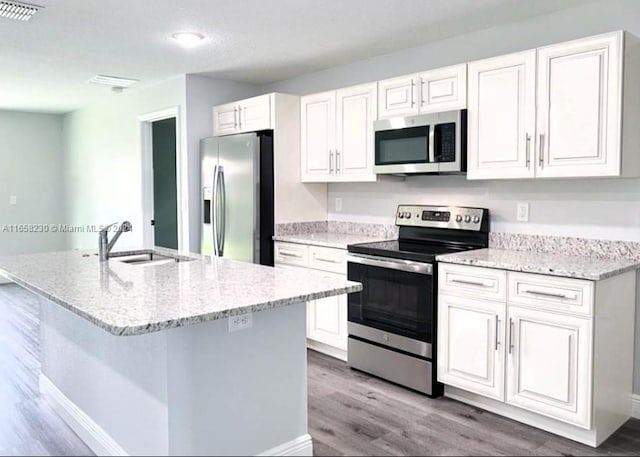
(113, 81)
(188, 39)
(18, 11)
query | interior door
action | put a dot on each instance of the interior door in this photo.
(356, 113)
(501, 117)
(165, 190)
(579, 107)
(549, 364)
(318, 117)
(471, 345)
(237, 202)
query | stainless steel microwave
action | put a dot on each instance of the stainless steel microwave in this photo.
(424, 144)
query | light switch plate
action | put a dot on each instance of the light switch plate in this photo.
(13, 200)
(522, 212)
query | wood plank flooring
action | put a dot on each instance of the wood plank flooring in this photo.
(350, 413)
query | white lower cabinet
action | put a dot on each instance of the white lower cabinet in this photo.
(549, 364)
(471, 345)
(553, 352)
(326, 317)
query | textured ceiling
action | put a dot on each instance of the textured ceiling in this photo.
(45, 63)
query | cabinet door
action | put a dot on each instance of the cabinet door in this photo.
(255, 113)
(398, 97)
(444, 89)
(501, 117)
(549, 364)
(327, 321)
(318, 130)
(471, 345)
(580, 107)
(356, 112)
(225, 119)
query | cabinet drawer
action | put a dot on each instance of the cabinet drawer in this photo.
(552, 293)
(328, 259)
(291, 254)
(469, 281)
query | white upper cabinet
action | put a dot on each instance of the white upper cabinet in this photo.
(356, 113)
(556, 111)
(580, 106)
(398, 97)
(337, 135)
(501, 117)
(248, 115)
(318, 136)
(444, 89)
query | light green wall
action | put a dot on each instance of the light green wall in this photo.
(31, 164)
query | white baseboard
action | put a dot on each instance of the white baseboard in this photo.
(302, 446)
(635, 406)
(91, 433)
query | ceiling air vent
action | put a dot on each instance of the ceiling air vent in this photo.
(113, 81)
(18, 11)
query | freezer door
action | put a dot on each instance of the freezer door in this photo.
(209, 164)
(238, 197)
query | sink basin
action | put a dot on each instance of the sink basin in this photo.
(143, 258)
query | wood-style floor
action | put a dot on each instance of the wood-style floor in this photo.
(350, 413)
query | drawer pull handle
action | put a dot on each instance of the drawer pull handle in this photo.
(290, 254)
(547, 294)
(497, 329)
(320, 259)
(469, 283)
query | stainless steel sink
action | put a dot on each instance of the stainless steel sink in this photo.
(147, 257)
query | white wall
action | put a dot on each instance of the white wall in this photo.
(103, 155)
(202, 95)
(31, 164)
(608, 208)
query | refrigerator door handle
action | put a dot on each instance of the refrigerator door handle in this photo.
(223, 212)
(214, 210)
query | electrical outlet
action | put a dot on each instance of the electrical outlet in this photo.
(241, 322)
(338, 204)
(13, 200)
(522, 212)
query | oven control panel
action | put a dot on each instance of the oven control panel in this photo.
(452, 217)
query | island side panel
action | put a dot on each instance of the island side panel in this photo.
(120, 383)
(239, 393)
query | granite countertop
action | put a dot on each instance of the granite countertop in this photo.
(327, 239)
(543, 263)
(128, 299)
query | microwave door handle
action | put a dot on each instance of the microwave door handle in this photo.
(432, 144)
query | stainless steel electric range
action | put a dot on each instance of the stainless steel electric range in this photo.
(393, 321)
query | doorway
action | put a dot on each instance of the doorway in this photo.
(164, 183)
(165, 190)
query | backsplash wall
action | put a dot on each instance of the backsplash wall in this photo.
(597, 208)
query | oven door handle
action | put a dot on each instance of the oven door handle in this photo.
(392, 264)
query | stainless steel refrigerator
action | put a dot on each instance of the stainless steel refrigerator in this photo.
(237, 197)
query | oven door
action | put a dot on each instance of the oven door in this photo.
(397, 296)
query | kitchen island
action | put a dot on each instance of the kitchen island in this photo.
(201, 356)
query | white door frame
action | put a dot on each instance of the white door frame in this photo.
(146, 136)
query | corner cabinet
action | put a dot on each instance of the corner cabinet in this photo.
(337, 135)
(552, 352)
(555, 111)
(249, 115)
(326, 317)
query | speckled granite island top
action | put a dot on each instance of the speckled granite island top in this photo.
(327, 239)
(543, 263)
(126, 299)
